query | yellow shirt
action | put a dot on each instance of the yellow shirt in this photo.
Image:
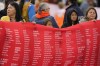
(5, 18)
(25, 11)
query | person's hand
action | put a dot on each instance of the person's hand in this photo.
(34, 22)
(94, 20)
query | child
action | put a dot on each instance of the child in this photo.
(47, 22)
(71, 17)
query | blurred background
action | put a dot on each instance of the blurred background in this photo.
(57, 6)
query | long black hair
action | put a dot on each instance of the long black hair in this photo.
(4, 11)
(18, 16)
(68, 17)
(7, 2)
(21, 4)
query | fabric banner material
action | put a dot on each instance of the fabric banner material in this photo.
(28, 44)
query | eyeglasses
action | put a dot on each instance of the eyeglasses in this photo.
(46, 9)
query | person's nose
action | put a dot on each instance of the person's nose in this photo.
(92, 13)
(7, 9)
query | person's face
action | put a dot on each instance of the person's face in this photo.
(91, 14)
(37, 2)
(74, 16)
(11, 10)
(47, 9)
(61, 5)
(49, 24)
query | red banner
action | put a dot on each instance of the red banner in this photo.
(27, 44)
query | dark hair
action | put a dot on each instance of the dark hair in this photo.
(68, 18)
(46, 21)
(21, 4)
(33, 1)
(7, 2)
(71, 1)
(89, 10)
(18, 16)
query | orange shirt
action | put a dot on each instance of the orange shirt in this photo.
(59, 20)
(59, 17)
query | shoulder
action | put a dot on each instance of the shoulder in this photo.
(82, 20)
(50, 17)
(31, 5)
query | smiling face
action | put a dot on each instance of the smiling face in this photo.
(11, 10)
(74, 16)
(91, 14)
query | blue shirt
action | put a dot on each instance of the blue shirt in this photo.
(31, 11)
(41, 20)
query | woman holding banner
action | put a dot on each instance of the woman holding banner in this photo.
(71, 18)
(91, 14)
(73, 4)
(4, 11)
(13, 13)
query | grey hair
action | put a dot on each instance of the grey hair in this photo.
(42, 6)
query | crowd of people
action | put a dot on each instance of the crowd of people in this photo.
(39, 12)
